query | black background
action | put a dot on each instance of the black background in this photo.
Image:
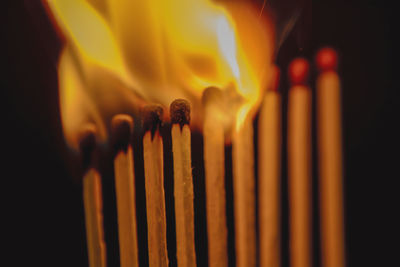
(43, 204)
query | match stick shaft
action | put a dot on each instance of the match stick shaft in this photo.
(244, 195)
(92, 197)
(299, 160)
(269, 179)
(214, 163)
(183, 187)
(155, 199)
(330, 159)
(125, 191)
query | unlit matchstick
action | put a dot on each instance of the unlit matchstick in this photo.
(299, 164)
(92, 198)
(154, 182)
(214, 163)
(244, 194)
(121, 130)
(269, 156)
(183, 182)
(330, 159)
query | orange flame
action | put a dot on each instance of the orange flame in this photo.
(118, 52)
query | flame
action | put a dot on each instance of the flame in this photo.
(120, 52)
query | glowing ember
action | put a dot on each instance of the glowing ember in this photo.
(118, 54)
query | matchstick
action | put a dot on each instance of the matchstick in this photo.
(330, 159)
(121, 130)
(92, 198)
(183, 182)
(269, 155)
(154, 183)
(299, 163)
(214, 163)
(244, 194)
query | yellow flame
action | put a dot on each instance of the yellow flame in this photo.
(159, 50)
(90, 33)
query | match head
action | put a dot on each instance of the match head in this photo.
(326, 59)
(276, 76)
(180, 112)
(212, 95)
(87, 143)
(152, 117)
(121, 130)
(298, 70)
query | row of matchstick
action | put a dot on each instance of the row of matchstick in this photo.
(299, 167)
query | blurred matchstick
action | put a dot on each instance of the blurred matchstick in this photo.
(214, 163)
(269, 175)
(330, 159)
(299, 163)
(154, 182)
(121, 131)
(244, 194)
(183, 182)
(92, 198)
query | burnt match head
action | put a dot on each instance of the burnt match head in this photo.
(180, 112)
(121, 131)
(152, 118)
(212, 95)
(87, 144)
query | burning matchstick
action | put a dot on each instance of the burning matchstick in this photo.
(244, 194)
(214, 163)
(92, 198)
(154, 180)
(183, 182)
(121, 128)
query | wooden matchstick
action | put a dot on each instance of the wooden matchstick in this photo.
(214, 163)
(121, 130)
(330, 159)
(92, 198)
(269, 158)
(299, 163)
(244, 194)
(154, 182)
(183, 182)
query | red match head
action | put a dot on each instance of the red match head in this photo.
(326, 59)
(298, 71)
(276, 74)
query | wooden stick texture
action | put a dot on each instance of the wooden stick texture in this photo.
(244, 195)
(183, 187)
(214, 163)
(92, 197)
(330, 171)
(269, 179)
(155, 199)
(125, 191)
(299, 163)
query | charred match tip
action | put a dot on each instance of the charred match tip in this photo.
(121, 130)
(211, 94)
(180, 112)
(87, 138)
(326, 59)
(87, 143)
(276, 76)
(152, 118)
(298, 71)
